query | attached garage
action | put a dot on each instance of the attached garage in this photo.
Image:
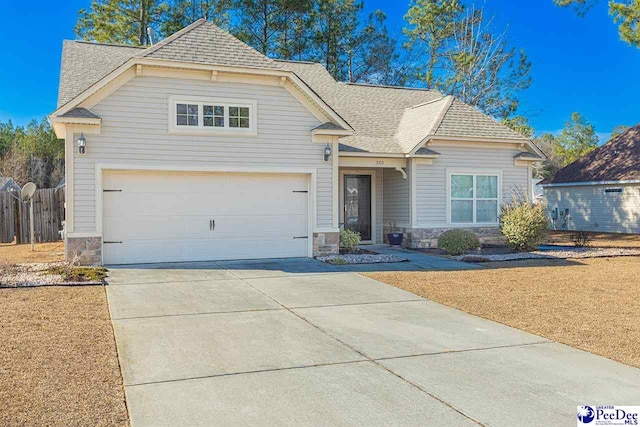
(162, 216)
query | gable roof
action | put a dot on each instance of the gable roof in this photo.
(396, 119)
(7, 183)
(204, 43)
(617, 160)
(386, 119)
(85, 63)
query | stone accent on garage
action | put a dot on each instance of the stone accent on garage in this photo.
(84, 250)
(416, 238)
(325, 244)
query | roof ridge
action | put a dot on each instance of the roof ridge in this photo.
(172, 37)
(295, 61)
(105, 44)
(440, 118)
(421, 89)
(422, 104)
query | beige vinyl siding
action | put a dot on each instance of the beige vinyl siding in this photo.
(135, 131)
(396, 193)
(431, 179)
(591, 209)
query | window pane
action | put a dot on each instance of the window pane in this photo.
(462, 186)
(244, 112)
(487, 187)
(486, 211)
(181, 108)
(207, 121)
(461, 211)
(233, 111)
(207, 110)
(193, 120)
(219, 110)
(193, 109)
(182, 120)
(219, 122)
(244, 123)
(233, 122)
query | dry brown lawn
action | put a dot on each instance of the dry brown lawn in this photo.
(598, 240)
(10, 253)
(58, 361)
(592, 304)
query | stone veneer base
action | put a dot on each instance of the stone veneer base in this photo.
(88, 250)
(84, 250)
(419, 238)
(325, 244)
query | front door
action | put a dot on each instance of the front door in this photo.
(357, 204)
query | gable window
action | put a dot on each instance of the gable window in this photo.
(212, 115)
(473, 198)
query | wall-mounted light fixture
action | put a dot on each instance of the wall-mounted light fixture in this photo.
(327, 152)
(82, 144)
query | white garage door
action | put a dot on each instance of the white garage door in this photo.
(171, 216)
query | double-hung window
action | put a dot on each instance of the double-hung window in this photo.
(211, 115)
(474, 198)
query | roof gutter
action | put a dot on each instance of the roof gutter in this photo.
(591, 183)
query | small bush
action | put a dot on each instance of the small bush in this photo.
(71, 273)
(524, 224)
(349, 239)
(580, 238)
(456, 242)
(338, 261)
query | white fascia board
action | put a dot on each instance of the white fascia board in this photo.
(591, 183)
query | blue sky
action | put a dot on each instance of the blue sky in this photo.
(579, 64)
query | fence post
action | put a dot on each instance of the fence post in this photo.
(16, 218)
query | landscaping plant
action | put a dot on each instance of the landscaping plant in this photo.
(349, 239)
(581, 238)
(457, 241)
(524, 224)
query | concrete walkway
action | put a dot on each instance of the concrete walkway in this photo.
(292, 342)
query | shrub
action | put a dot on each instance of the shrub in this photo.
(456, 242)
(349, 239)
(338, 261)
(524, 224)
(580, 238)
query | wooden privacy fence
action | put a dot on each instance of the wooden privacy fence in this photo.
(48, 214)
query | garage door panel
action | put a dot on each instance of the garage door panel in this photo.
(198, 227)
(130, 252)
(147, 204)
(165, 216)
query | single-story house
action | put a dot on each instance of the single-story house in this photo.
(600, 191)
(201, 148)
(8, 184)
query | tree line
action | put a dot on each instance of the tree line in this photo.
(447, 45)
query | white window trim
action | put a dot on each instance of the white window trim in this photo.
(174, 100)
(475, 173)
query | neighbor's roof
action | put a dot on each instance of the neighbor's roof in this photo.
(7, 183)
(617, 160)
(386, 119)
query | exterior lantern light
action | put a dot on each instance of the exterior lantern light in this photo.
(82, 143)
(327, 152)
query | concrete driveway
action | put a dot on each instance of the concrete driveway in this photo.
(294, 342)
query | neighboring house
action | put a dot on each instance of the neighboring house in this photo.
(600, 191)
(201, 148)
(7, 184)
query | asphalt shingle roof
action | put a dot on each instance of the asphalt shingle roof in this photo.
(617, 160)
(83, 64)
(385, 119)
(203, 42)
(80, 113)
